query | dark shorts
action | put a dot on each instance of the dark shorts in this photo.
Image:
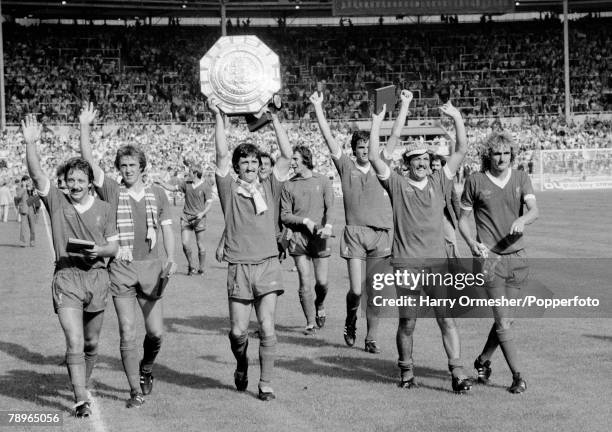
(501, 271)
(365, 242)
(193, 224)
(251, 281)
(136, 278)
(80, 289)
(309, 245)
(430, 289)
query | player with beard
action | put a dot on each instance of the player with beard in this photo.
(418, 201)
(136, 272)
(80, 282)
(254, 275)
(497, 196)
(366, 239)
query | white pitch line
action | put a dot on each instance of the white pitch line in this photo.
(96, 419)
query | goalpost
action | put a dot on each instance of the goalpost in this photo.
(574, 169)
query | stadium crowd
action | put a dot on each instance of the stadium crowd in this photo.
(171, 147)
(146, 73)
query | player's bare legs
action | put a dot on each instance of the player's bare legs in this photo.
(265, 308)
(452, 346)
(501, 334)
(71, 320)
(404, 341)
(185, 240)
(152, 311)
(201, 250)
(353, 297)
(321, 271)
(240, 313)
(126, 316)
(92, 325)
(302, 263)
(357, 271)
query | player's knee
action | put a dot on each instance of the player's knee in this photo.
(238, 336)
(267, 326)
(91, 344)
(304, 289)
(236, 331)
(503, 323)
(74, 343)
(446, 324)
(406, 326)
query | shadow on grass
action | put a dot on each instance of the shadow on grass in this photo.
(599, 337)
(38, 388)
(162, 373)
(221, 326)
(361, 369)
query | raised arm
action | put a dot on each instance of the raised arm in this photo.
(380, 167)
(461, 147)
(282, 164)
(167, 186)
(31, 134)
(223, 158)
(317, 102)
(86, 119)
(396, 132)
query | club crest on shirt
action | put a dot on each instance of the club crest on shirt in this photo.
(485, 194)
(70, 211)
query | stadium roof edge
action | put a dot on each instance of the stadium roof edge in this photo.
(107, 9)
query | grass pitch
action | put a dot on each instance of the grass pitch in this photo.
(321, 384)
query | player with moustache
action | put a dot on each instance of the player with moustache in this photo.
(418, 201)
(254, 274)
(80, 282)
(497, 196)
(137, 271)
(306, 203)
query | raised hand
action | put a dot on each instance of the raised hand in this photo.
(88, 113)
(316, 98)
(212, 106)
(31, 129)
(406, 97)
(378, 118)
(449, 110)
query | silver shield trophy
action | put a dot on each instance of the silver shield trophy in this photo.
(243, 74)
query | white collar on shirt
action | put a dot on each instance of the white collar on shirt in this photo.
(82, 208)
(419, 184)
(195, 184)
(137, 196)
(363, 169)
(500, 182)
